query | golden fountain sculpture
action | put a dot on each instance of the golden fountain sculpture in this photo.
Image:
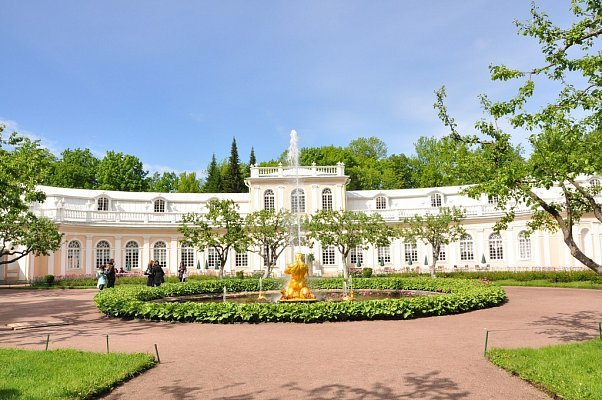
(297, 289)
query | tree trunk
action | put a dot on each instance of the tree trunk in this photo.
(435, 259)
(579, 255)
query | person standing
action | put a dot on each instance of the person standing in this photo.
(158, 274)
(150, 278)
(182, 272)
(102, 277)
(111, 273)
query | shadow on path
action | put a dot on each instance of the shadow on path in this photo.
(570, 327)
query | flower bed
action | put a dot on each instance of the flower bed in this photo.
(457, 296)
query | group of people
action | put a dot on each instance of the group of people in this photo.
(106, 274)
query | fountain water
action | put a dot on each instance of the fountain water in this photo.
(293, 163)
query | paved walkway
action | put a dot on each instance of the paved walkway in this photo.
(432, 358)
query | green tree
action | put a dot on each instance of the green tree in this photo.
(233, 179)
(269, 234)
(163, 183)
(188, 183)
(346, 230)
(213, 183)
(118, 171)
(76, 169)
(23, 164)
(436, 229)
(221, 228)
(565, 135)
(252, 159)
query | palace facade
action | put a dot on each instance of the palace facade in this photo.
(133, 228)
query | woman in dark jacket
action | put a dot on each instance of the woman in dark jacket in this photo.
(110, 273)
(150, 279)
(157, 274)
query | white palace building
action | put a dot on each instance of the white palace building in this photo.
(133, 228)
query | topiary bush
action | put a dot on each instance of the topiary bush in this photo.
(456, 296)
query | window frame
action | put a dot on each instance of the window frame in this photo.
(74, 254)
(132, 255)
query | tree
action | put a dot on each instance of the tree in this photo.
(233, 180)
(221, 229)
(565, 140)
(118, 171)
(347, 230)
(213, 184)
(269, 234)
(23, 164)
(76, 169)
(163, 183)
(188, 183)
(252, 159)
(436, 229)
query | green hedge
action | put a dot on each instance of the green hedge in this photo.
(523, 276)
(457, 296)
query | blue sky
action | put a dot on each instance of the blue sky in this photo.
(174, 82)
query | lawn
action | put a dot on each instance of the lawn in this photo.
(66, 373)
(569, 371)
(546, 283)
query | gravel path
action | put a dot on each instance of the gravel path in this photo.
(431, 358)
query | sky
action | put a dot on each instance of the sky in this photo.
(174, 82)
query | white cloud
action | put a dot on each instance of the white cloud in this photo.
(13, 126)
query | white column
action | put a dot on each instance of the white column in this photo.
(64, 259)
(536, 243)
(315, 200)
(339, 200)
(280, 200)
(546, 248)
(396, 256)
(118, 252)
(145, 251)
(596, 237)
(257, 201)
(174, 262)
(452, 255)
(88, 254)
(50, 263)
(481, 245)
(511, 248)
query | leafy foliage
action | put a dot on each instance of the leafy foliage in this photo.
(76, 169)
(22, 165)
(457, 296)
(118, 171)
(233, 181)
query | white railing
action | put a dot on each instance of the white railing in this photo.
(469, 211)
(284, 170)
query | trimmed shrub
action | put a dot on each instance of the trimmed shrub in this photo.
(456, 296)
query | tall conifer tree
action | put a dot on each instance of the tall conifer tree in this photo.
(252, 160)
(213, 184)
(233, 180)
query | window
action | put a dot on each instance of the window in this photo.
(496, 249)
(436, 200)
(187, 256)
(212, 258)
(103, 253)
(132, 255)
(493, 200)
(466, 248)
(160, 253)
(241, 259)
(160, 206)
(328, 255)
(524, 246)
(298, 201)
(384, 255)
(74, 255)
(442, 253)
(381, 203)
(268, 200)
(356, 256)
(594, 182)
(411, 252)
(102, 204)
(326, 199)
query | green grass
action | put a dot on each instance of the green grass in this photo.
(66, 373)
(546, 283)
(569, 372)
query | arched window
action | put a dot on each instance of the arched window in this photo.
(74, 255)
(436, 200)
(159, 206)
(594, 182)
(132, 255)
(381, 203)
(326, 199)
(102, 204)
(493, 199)
(187, 256)
(103, 253)
(496, 249)
(524, 246)
(298, 201)
(356, 256)
(160, 253)
(268, 200)
(212, 258)
(466, 248)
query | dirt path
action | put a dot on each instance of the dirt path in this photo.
(432, 358)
